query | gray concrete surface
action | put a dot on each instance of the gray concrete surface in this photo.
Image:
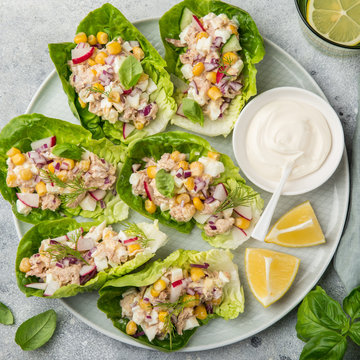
(26, 27)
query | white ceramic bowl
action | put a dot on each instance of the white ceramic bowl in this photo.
(308, 182)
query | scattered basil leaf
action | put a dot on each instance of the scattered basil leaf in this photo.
(130, 72)
(69, 151)
(351, 303)
(6, 316)
(36, 331)
(325, 346)
(355, 332)
(165, 183)
(193, 111)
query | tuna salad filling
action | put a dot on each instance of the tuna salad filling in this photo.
(47, 180)
(108, 77)
(175, 302)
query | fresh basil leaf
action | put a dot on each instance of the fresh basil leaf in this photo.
(165, 183)
(130, 72)
(351, 303)
(6, 316)
(354, 332)
(318, 313)
(36, 331)
(325, 346)
(67, 150)
(193, 111)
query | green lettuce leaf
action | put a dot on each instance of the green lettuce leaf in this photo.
(31, 242)
(231, 306)
(21, 131)
(252, 52)
(112, 21)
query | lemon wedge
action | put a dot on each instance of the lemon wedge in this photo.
(299, 227)
(336, 20)
(269, 273)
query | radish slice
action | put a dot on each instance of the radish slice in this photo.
(87, 269)
(98, 194)
(127, 129)
(46, 143)
(220, 192)
(220, 75)
(201, 218)
(85, 243)
(52, 286)
(239, 235)
(199, 23)
(61, 239)
(147, 190)
(40, 286)
(131, 240)
(74, 234)
(176, 283)
(244, 211)
(79, 55)
(31, 200)
(89, 203)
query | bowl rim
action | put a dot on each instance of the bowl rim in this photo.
(351, 48)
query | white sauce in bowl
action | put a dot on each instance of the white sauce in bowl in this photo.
(284, 130)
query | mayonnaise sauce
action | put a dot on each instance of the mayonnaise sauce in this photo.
(284, 130)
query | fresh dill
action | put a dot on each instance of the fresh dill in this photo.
(133, 229)
(61, 251)
(225, 64)
(74, 235)
(97, 90)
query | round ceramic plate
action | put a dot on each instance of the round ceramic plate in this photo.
(330, 202)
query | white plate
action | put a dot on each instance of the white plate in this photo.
(330, 202)
(306, 183)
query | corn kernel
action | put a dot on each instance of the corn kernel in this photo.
(26, 174)
(70, 163)
(175, 155)
(183, 198)
(211, 76)
(18, 159)
(131, 328)
(198, 204)
(197, 168)
(183, 164)
(92, 40)
(113, 48)
(11, 179)
(196, 273)
(162, 316)
(84, 165)
(242, 223)
(100, 58)
(98, 87)
(214, 93)
(109, 234)
(92, 63)
(51, 167)
(41, 188)
(133, 247)
(154, 293)
(229, 58)
(139, 125)
(200, 312)
(13, 151)
(138, 53)
(213, 155)
(25, 265)
(150, 207)
(190, 183)
(217, 301)
(80, 38)
(82, 103)
(143, 77)
(102, 37)
(201, 35)
(62, 175)
(198, 69)
(201, 196)
(145, 305)
(233, 29)
(114, 96)
(151, 172)
(159, 285)
(190, 300)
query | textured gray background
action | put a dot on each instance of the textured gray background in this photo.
(26, 27)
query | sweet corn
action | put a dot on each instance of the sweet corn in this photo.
(159, 285)
(25, 265)
(197, 168)
(154, 293)
(11, 179)
(143, 77)
(201, 196)
(98, 87)
(18, 159)
(62, 175)
(183, 198)
(13, 151)
(26, 174)
(198, 204)
(217, 301)
(214, 155)
(145, 305)
(70, 163)
(183, 164)
(100, 58)
(242, 223)
(131, 328)
(133, 247)
(82, 103)
(51, 167)
(113, 48)
(233, 29)
(139, 125)
(138, 53)
(175, 155)
(200, 312)
(80, 37)
(196, 274)
(198, 69)
(211, 76)
(92, 63)
(229, 58)
(151, 172)
(214, 93)
(109, 234)
(163, 315)
(102, 37)
(92, 40)
(41, 188)
(114, 96)
(201, 35)
(150, 207)
(190, 300)
(190, 183)
(84, 165)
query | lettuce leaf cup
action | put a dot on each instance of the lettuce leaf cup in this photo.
(115, 80)
(50, 168)
(179, 179)
(211, 47)
(163, 305)
(62, 258)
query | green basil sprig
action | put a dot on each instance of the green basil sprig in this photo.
(6, 316)
(165, 183)
(36, 331)
(193, 111)
(324, 326)
(67, 150)
(130, 72)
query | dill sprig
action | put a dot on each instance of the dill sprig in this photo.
(133, 229)
(96, 90)
(61, 251)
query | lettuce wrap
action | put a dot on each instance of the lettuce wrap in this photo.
(30, 243)
(251, 53)
(21, 131)
(219, 260)
(110, 20)
(155, 146)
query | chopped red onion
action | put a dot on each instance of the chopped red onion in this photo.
(53, 242)
(209, 308)
(217, 42)
(201, 266)
(209, 200)
(107, 181)
(102, 160)
(128, 92)
(102, 204)
(59, 265)
(84, 279)
(57, 166)
(182, 203)
(110, 59)
(236, 86)
(187, 173)
(179, 173)
(210, 66)
(148, 317)
(213, 227)
(141, 333)
(190, 291)
(146, 299)
(193, 84)
(147, 110)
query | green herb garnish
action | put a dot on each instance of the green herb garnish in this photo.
(6, 316)
(192, 110)
(97, 90)
(67, 150)
(133, 229)
(130, 72)
(61, 251)
(165, 183)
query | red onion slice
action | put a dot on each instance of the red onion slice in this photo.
(147, 190)
(209, 200)
(210, 66)
(198, 22)
(193, 84)
(200, 266)
(236, 86)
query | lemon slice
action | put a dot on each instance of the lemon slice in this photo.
(269, 273)
(297, 228)
(336, 20)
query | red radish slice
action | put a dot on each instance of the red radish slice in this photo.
(239, 235)
(46, 142)
(220, 192)
(52, 286)
(87, 269)
(89, 203)
(40, 286)
(74, 233)
(180, 111)
(85, 243)
(130, 240)
(61, 239)
(128, 92)
(220, 75)
(79, 55)
(176, 283)
(244, 211)
(147, 190)
(98, 194)
(199, 23)
(31, 200)
(127, 129)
